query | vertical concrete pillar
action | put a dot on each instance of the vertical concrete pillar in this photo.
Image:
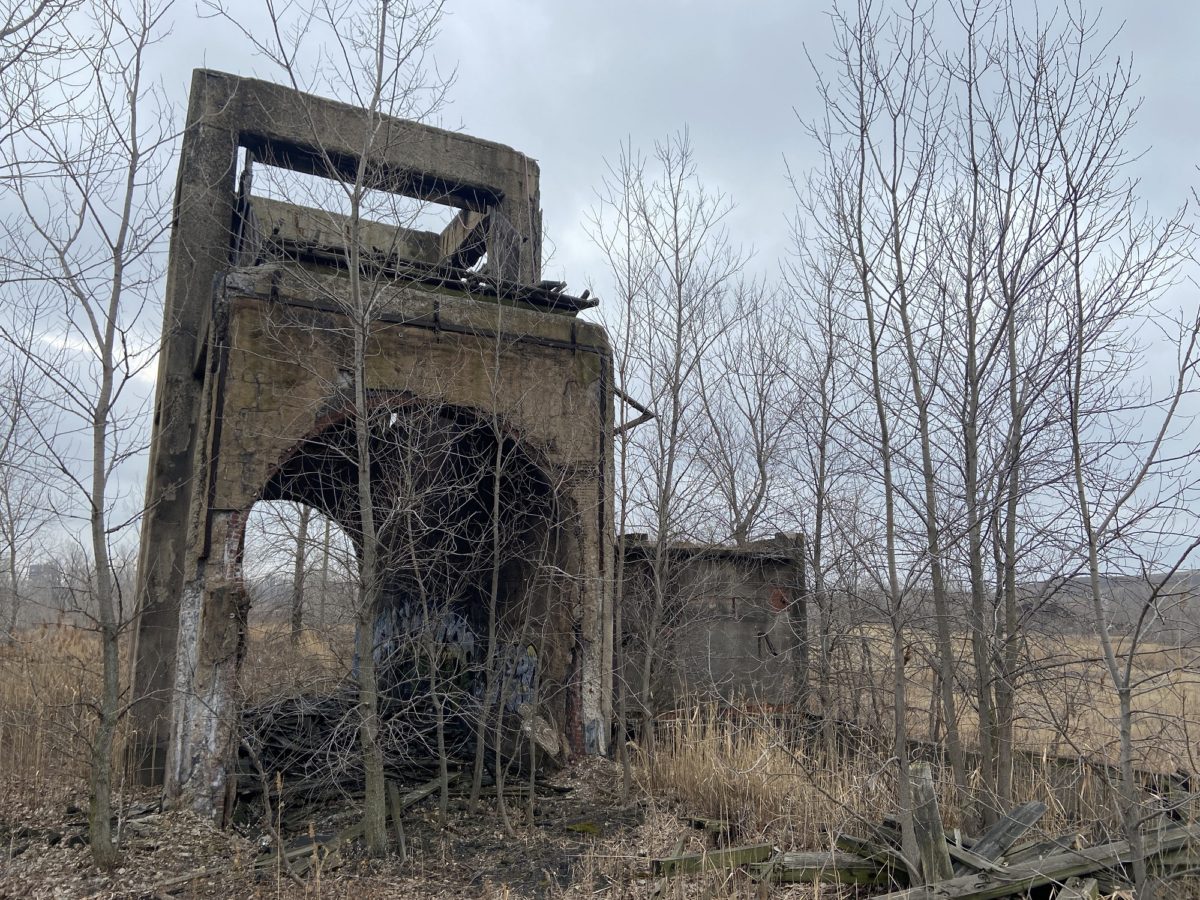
(199, 248)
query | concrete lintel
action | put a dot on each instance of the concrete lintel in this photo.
(284, 222)
(310, 133)
(402, 303)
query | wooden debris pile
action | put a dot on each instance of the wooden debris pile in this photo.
(1003, 862)
(302, 753)
(310, 744)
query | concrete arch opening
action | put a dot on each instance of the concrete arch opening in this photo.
(299, 568)
(464, 520)
(455, 606)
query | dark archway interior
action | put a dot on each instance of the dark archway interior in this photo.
(465, 525)
(463, 519)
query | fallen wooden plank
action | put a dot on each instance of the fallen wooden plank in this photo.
(396, 812)
(964, 858)
(1054, 869)
(927, 825)
(1045, 847)
(712, 826)
(303, 847)
(1079, 889)
(969, 861)
(820, 866)
(418, 794)
(883, 854)
(1183, 858)
(327, 851)
(889, 828)
(712, 859)
(661, 887)
(1001, 836)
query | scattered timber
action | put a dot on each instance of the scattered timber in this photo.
(820, 866)
(713, 859)
(719, 827)
(927, 822)
(993, 866)
(1004, 834)
(1057, 869)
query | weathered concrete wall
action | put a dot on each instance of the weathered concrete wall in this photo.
(281, 357)
(255, 360)
(730, 627)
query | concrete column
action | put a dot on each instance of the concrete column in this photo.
(199, 243)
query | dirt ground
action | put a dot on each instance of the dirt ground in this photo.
(583, 842)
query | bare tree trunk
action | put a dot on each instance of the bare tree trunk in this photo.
(14, 595)
(946, 660)
(323, 601)
(298, 574)
(375, 788)
(650, 647)
(489, 664)
(798, 610)
(100, 809)
(619, 664)
(825, 675)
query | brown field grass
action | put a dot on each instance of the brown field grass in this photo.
(274, 667)
(753, 772)
(1066, 703)
(50, 684)
(745, 768)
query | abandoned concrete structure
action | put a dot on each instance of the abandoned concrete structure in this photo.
(470, 357)
(733, 625)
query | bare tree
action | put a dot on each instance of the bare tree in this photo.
(821, 479)
(33, 36)
(671, 253)
(24, 480)
(973, 178)
(615, 227)
(83, 266)
(744, 393)
(1133, 498)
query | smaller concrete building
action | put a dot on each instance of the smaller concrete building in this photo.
(732, 624)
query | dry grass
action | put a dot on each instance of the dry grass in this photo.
(748, 770)
(49, 685)
(1066, 704)
(275, 667)
(744, 768)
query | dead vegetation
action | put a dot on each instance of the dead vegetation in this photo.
(720, 778)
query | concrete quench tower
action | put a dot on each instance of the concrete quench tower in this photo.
(490, 409)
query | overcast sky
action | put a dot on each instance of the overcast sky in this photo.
(566, 82)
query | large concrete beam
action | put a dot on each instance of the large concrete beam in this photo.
(464, 241)
(308, 133)
(301, 226)
(323, 137)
